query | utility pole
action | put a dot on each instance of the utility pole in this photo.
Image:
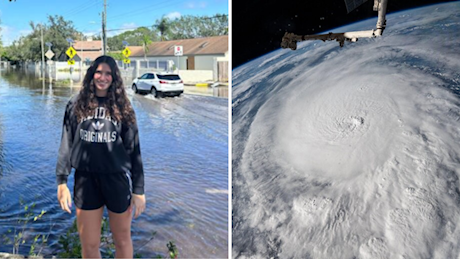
(104, 25)
(43, 53)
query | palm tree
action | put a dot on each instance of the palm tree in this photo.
(145, 43)
(163, 26)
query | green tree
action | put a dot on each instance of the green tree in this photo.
(55, 31)
(93, 37)
(164, 27)
(16, 51)
(58, 31)
(134, 38)
(116, 55)
(1, 43)
(2, 50)
(189, 26)
(146, 41)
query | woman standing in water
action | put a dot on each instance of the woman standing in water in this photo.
(100, 140)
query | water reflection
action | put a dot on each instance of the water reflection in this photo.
(2, 155)
(219, 91)
(22, 77)
(5, 165)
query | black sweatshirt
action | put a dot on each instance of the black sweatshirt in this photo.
(99, 144)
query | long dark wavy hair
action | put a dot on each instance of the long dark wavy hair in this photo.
(117, 105)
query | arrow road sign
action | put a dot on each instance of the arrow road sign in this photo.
(71, 62)
(127, 61)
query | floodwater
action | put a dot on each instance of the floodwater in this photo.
(184, 145)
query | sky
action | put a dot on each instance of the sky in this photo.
(259, 25)
(86, 14)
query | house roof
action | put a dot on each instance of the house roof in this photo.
(91, 55)
(208, 45)
(136, 49)
(87, 45)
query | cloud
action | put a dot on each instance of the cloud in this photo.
(10, 34)
(173, 15)
(123, 28)
(197, 5)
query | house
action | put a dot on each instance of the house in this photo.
(87, 51)
(203, 59)
(198, 53)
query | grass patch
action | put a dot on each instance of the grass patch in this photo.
(69, 243)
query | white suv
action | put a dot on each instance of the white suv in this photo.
(159, 84)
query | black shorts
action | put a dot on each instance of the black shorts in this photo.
(94, 190)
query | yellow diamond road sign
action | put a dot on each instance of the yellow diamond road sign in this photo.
(71, 52)
(71, 62)
(127, 61)
(126, 52)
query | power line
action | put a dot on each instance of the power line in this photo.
(77, 8)
(84, 9)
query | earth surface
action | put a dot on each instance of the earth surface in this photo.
(351, 152)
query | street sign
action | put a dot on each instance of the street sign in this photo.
(49, 44)
(125, 43)
(69, 40)
(126, 61)
(71, 52)
(178, 50)
(71, 62)
(49, 54)
(126, 52)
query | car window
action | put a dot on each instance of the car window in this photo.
(144, 76)
(150, 76)
(169, 77)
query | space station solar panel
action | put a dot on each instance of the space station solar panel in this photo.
(352, 4)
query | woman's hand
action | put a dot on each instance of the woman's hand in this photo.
(64, 198)
(138, 201)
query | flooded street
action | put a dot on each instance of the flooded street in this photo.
(184, 146)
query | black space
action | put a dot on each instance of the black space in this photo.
(259, 25)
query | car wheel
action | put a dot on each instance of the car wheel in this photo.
(154, 92)
(135, 89)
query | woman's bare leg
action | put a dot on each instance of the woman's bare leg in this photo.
(120, 225)
(89, 228)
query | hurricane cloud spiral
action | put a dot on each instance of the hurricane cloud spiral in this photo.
(352, 152)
